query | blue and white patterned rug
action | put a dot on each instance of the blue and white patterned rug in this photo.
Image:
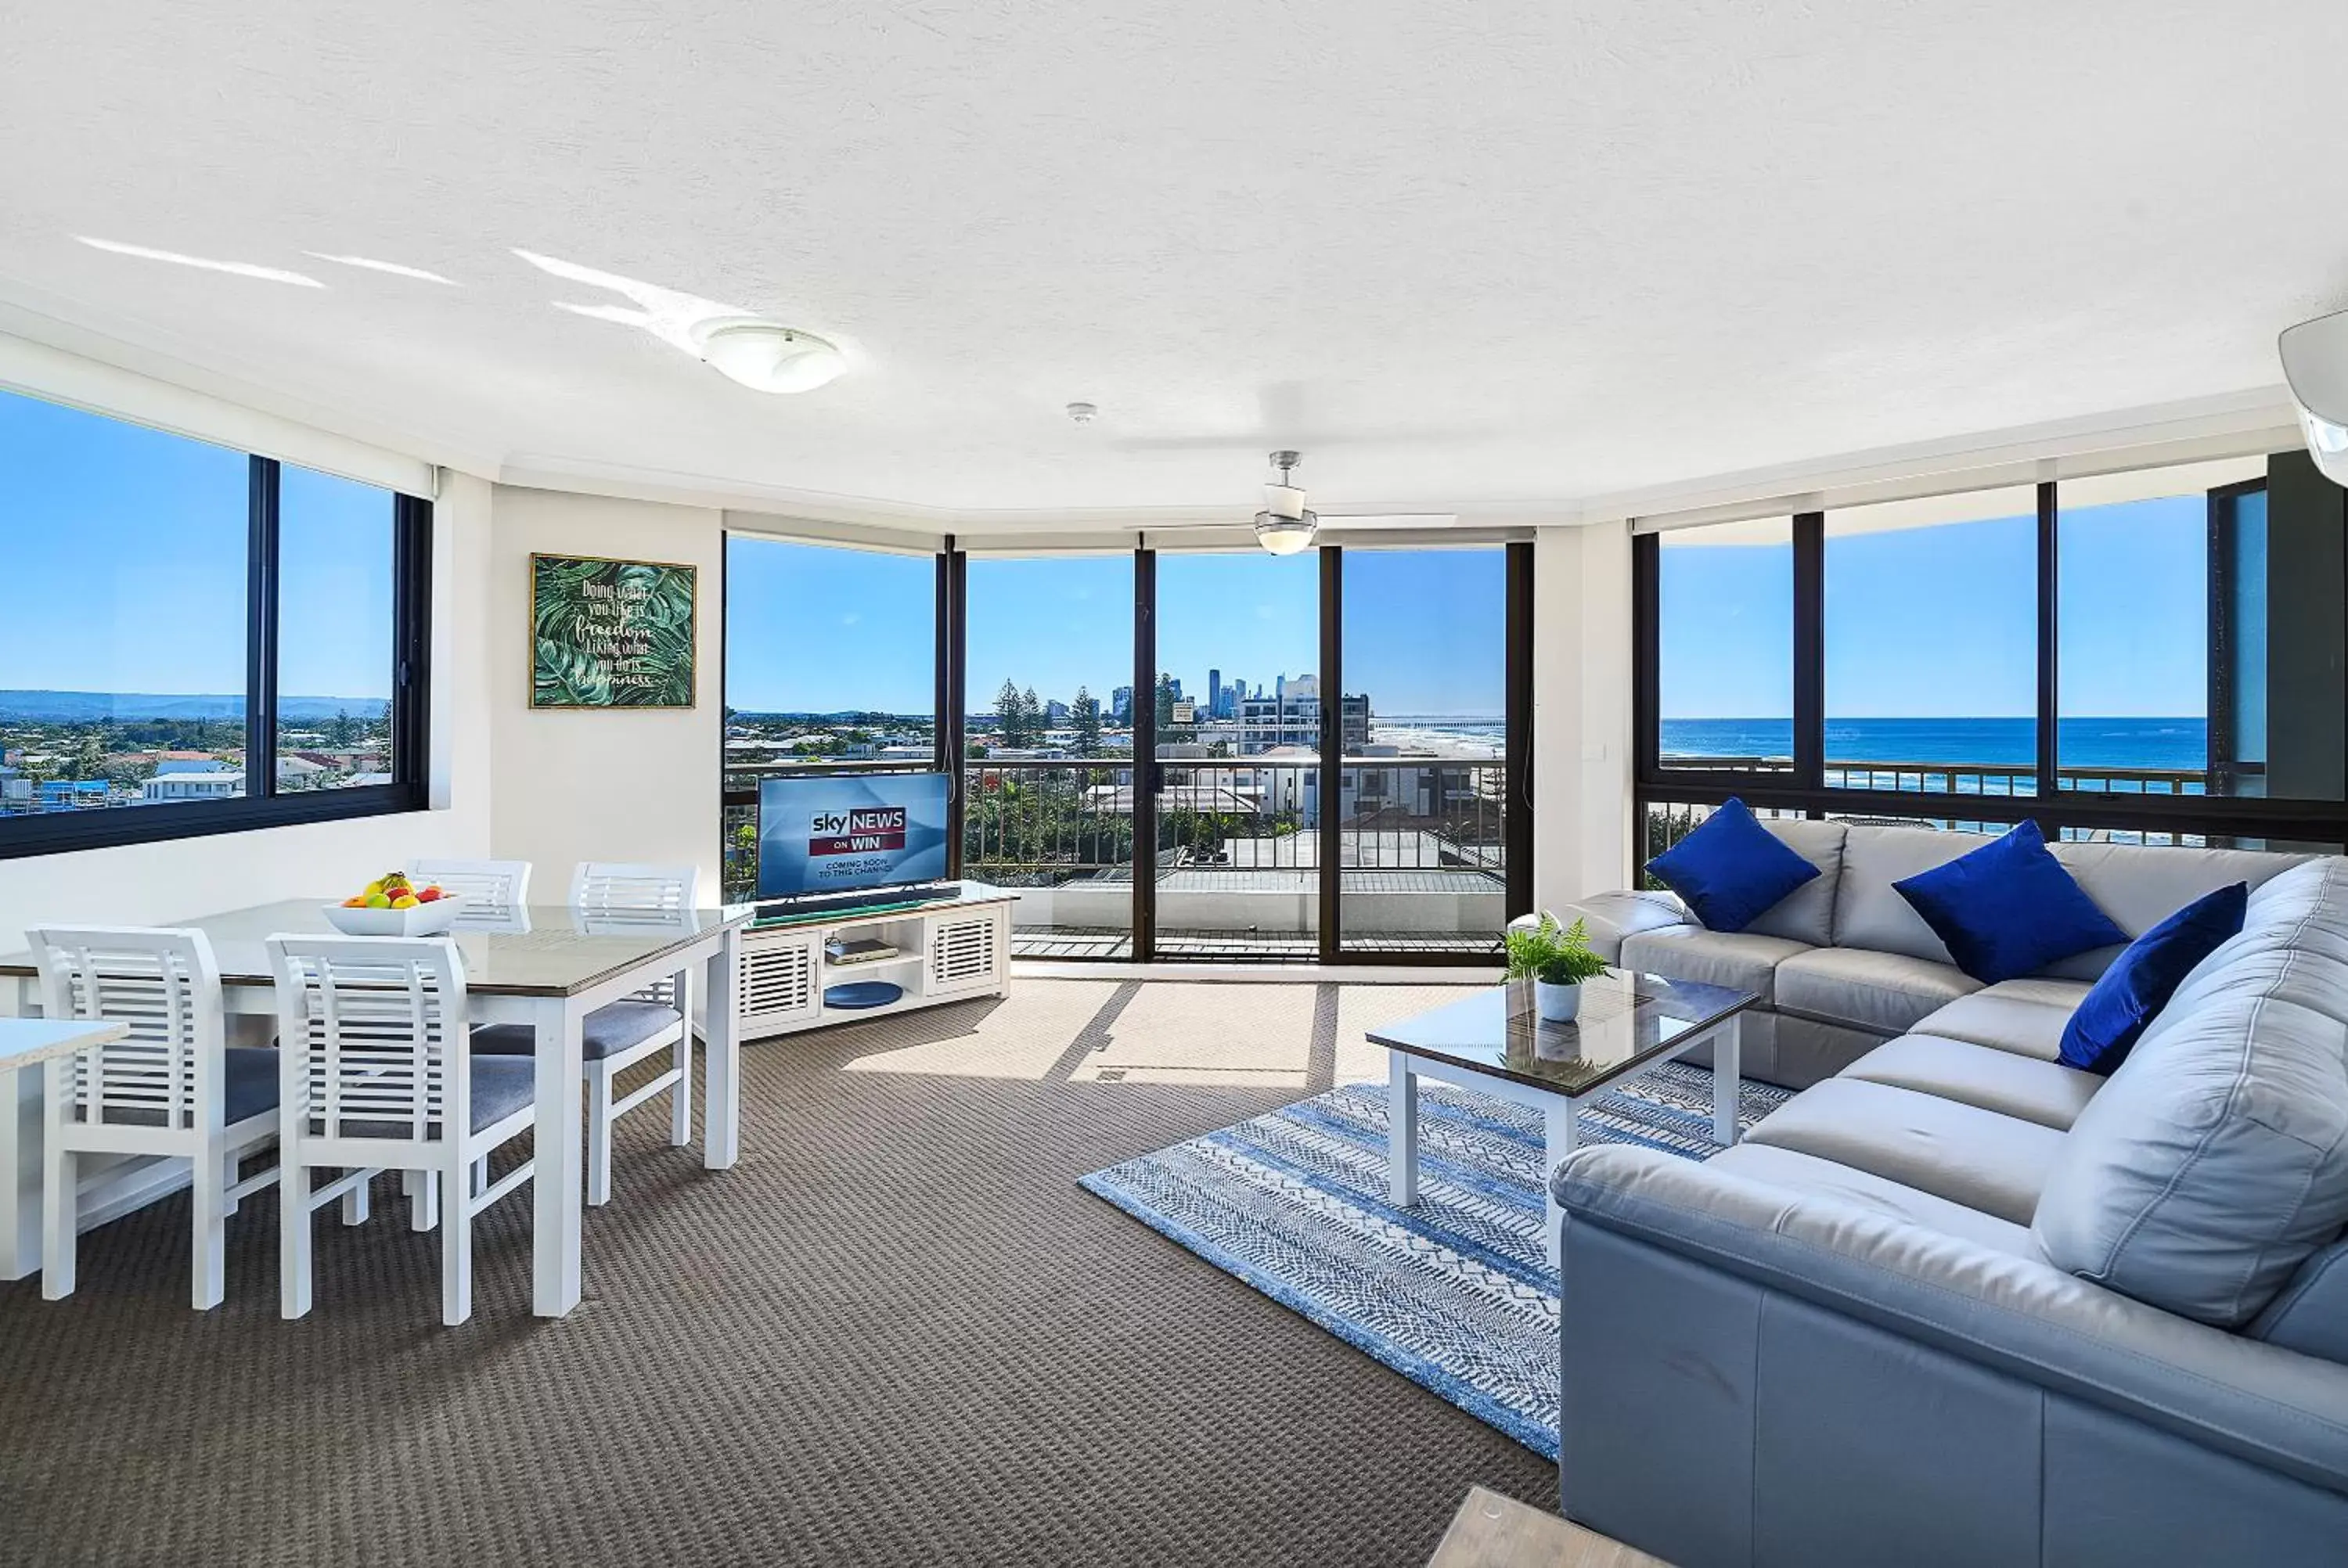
(1456, 1294)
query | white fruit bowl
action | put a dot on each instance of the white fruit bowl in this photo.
(424, 920)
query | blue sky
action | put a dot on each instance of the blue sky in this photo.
(1942, 622)
(819, 629)
(137, 540)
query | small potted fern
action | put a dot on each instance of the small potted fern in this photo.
(1557, 960)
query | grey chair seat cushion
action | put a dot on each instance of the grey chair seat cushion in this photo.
(1889, 993)
(2024, 1017)
(250, 1087)
(1738, 959)
(2046, 1092)
(1996, 1164)
(1807, 1173)
(2215, 1160)
(502, 1086)
(607, 1031)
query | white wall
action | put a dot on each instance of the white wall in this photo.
(603, 784)
(1582, 711)
(158, 883)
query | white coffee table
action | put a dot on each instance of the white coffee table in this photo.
(1492, 1043)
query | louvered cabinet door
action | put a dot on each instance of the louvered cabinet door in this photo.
(966, 953)
(776, 985)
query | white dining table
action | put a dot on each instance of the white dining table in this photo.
(547, 968)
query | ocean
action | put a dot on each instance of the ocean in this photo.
(2182, 742)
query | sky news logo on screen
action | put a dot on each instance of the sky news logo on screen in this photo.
(862, 832)
(847, 832)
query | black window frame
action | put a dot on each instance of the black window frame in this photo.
(2217, 819)
(262, 805)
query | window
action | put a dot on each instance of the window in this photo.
(830, 657)
(174, 595)
(2157, 657)
(1931, 645)
(337, 561)
(1047, 775)
(1238, 796)
(1422, 839)
(1724, 599)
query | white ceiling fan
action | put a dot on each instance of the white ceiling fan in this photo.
(1286, 524)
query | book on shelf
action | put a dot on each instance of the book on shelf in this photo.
(857, 950)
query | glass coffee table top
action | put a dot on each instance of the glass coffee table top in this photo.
(1627, 1022)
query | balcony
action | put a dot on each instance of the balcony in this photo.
(1235, 856)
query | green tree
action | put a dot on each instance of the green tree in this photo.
(1086, 715)
(1167, 732)
(1034, 713)
(1011, 714)
(342, 731)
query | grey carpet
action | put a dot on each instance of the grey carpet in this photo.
(897, 1332)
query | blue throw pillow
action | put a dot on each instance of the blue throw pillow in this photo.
(2008, 908)
(2114, 1015)
(1731, 870)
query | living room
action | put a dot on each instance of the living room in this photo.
(1361, 786)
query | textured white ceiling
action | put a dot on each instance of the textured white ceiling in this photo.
(1460, 253)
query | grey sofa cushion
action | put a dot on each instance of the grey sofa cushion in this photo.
(2026, 1017)
(1977, 1158)
(1737, 959)
(1886, 993)
(2215, 1160)
(1868, 911)
(2310, 1316)
(1807, 914)
(1801, 1173)
(1610, 917)
(2139, 887)
(2046, 1092)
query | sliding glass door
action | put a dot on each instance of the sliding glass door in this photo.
(1047, 747)
(1236, 735)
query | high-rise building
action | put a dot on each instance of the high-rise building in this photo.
(1214, 691)
(1121, 704)
(1293, 720)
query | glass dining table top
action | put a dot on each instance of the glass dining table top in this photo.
(1627, 1022)
(549, 950)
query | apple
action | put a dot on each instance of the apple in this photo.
(378, 901)
(429, 896)
(405, 901)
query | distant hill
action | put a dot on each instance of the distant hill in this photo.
(130, 707)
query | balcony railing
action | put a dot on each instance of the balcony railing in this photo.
(1666, 822)
(1234, 850)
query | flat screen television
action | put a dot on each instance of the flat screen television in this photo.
(850, 833)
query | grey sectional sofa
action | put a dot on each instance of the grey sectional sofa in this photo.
(1956, 1303)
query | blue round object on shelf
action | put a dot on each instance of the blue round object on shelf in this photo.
(861, 994)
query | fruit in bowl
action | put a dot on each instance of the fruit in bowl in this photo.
(393, 905)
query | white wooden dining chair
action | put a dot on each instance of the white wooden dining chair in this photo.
(375, 1076)
(172, 1089)
(493, 889)
(613, 895)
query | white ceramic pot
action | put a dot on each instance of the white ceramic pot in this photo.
(1558, 1004)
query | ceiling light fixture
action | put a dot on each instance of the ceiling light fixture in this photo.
(1284, 526)
(766, 357)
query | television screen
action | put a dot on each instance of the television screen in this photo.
(849, 832)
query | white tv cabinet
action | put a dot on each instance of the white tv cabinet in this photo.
(947, 949)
